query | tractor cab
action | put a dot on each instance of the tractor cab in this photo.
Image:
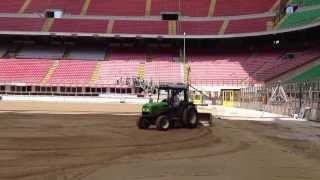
(174, 95)
(172, 108)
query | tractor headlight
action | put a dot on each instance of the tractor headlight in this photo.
(146, 109)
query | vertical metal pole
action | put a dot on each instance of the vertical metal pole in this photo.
(184, 48)
(300, 96)
(317, 96)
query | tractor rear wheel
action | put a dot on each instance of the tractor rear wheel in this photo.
(190, 118)
(163, 123)
(143, 123)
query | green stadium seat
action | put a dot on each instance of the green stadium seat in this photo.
(306, 2)
(313, 73)
(301, 18)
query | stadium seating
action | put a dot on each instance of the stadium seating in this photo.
(260, 61)
(40, 52)
(115, 70)
(163, 71)
(240, 7)
(86, 53)
(218, 72)
(79, 25)
(159, 6)
(310, 74)
(140, 27)
(164, 54)
(29, 71)
(127, 8)
(20, 24)
(306, 2)
(186, 7)
(73, 72)
(10, 6)
(219, 68)
(209, 68)
(142, 55)
(128, 54)
(154, 27)
(146, 26)
(283, 65)
(69, 6)
(195, 8)
(117, 8)
(301, 18)
(247, 25)
(79, 66)
(199, 27)
(138, 7)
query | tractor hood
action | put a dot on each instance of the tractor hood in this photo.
(159, 106)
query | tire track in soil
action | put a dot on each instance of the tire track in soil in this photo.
(201, 137)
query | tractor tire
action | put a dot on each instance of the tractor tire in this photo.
(190, 118)
(163, 123)
(143, 123)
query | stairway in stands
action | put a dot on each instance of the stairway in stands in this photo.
(50, 72)
(186, 68)
(24, 6)
(148, 7)
(212, 8)
(172, 27)
(95, 74)
(141, 71)
(85, 7)
(110, 26)
(224, 26)
(47, 24)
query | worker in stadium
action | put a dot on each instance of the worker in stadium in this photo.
(174, 99)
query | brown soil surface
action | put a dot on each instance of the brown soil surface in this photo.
(105, 146)
(59, 107)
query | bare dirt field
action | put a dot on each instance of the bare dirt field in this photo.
(39, 146)
(63, 108)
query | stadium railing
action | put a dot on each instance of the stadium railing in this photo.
(300, 95)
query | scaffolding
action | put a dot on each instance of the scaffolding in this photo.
(282, 98)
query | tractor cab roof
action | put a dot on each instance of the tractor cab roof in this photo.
(178, 86)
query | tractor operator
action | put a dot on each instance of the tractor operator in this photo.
(175, 99)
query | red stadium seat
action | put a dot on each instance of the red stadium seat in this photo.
(10, 6)
(69, 6)
(20, 24)
(163, 71)
(199, 27)
(30, 71)
(78, 25)
(114, 70)
(185, 7)
(73, 72)
(247, 25)
(240, 7)
(141, 27)
(117, 7)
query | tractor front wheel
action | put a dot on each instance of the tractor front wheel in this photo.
(143, 123)
(163, 123)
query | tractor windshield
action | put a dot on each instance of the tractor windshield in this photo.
(162, 95)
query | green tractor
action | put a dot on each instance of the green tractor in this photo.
(173, 110)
